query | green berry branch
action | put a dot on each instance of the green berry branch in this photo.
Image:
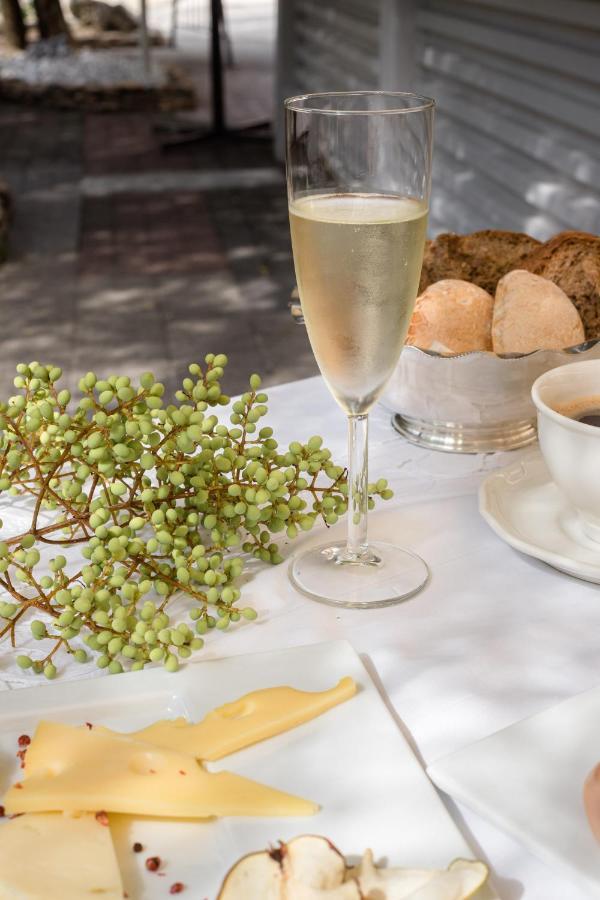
(149, 501)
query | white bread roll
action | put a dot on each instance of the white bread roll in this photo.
(452, 316)
(532, 313)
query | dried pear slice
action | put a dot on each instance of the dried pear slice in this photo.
(314, 869)
(257, 876)
(308, 868)
(459, 881)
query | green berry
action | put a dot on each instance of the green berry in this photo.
(171, 663)
(38, 629)
(114, 646)
(66, 617)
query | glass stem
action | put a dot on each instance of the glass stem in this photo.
(358, 433)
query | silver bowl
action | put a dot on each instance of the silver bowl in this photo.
(471, 402)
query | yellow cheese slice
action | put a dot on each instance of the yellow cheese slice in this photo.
(70, 768)
(252, 718)
(51, 856)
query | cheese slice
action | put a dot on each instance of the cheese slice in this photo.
(51, 856)
(69, 768)
(252, 718)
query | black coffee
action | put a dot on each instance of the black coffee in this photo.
(584, 409)
(591, 418)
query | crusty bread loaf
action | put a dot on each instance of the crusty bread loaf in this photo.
(482, 257)
(452, 316)
(571, 260)
(532, 313)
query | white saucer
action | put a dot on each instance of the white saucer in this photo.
(527, 510)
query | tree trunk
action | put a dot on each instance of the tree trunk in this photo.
(51, 21)
(14, 26)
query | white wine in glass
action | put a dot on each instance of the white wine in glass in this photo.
(358, 262)
(358, 171)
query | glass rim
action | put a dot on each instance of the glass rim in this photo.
(294, 103)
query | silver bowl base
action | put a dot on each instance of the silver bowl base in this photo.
(452, 437)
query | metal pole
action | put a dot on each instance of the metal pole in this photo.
(216, 66)
(144, 43)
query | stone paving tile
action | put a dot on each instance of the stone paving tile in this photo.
(270, 345)
(119, 327)
(186, 297)
(46, 220)
(33, 135)
(115, 143)
(153, 234)
(37, 313)
(253, 227)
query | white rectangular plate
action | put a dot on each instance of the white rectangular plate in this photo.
(353, 761)
(528, 780)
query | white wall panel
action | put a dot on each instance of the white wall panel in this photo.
(517, 86)
(518, 112)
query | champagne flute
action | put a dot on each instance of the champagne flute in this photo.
(358, 178)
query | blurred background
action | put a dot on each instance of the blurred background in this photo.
(143, 218)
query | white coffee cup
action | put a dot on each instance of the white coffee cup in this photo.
(571, 449)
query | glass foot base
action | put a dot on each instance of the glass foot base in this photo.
(384, 575)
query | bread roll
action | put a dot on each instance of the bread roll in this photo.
(571, 260)
(532, 313)
(482, 257)
(452, 316)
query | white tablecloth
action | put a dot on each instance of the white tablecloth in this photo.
(494, 637)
